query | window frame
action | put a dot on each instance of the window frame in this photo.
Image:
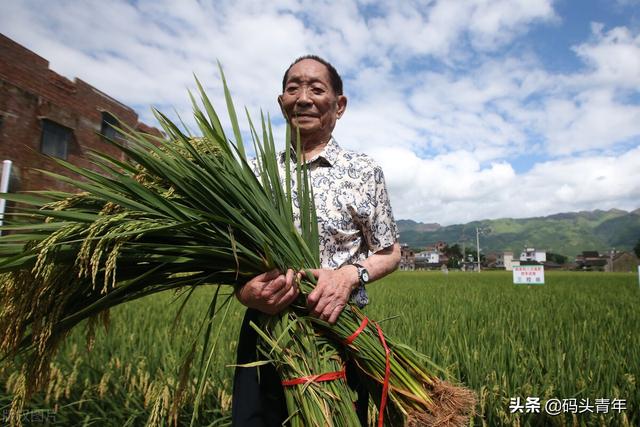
(53, 132)
(108, 127)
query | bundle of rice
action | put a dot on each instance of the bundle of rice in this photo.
(187, 213)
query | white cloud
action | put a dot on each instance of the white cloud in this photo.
(614, 56)
(439, 28)
(579, 183)
(496, 22)
(436, 93)
(454, 188)
(593, 120)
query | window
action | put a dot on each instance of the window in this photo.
(109, 125)
(55, 139)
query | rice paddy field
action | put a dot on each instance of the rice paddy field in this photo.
(573, 341)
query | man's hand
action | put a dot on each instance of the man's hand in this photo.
(269, 292)
(332, 292)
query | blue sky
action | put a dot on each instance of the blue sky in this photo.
(475, 109)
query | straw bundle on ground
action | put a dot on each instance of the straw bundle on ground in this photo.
(190, 213)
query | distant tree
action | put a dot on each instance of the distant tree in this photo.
(454, 253)
(557, 258)
(636, 248)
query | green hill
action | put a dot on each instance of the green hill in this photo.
(564, 233)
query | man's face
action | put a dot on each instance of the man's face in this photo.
(309, 101)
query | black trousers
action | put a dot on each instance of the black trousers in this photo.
(258, 396)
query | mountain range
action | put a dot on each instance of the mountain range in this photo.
(564, 233)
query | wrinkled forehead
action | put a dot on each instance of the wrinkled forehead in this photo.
(308, 71)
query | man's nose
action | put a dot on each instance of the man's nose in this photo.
(303, 97)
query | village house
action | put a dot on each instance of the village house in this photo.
(440, 246)
(622, 262)
(42, 112)
(509, 262)
(433, 257)
(407, 258)
(500, 260)
(427, 259)
(591, 260)
(494, 260)
(531, 255)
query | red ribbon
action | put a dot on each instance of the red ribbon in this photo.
(351, 338)
(329, 376)
(387, 368)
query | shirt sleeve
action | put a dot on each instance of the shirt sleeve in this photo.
(379, 227)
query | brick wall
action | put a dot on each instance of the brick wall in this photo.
(31, 92)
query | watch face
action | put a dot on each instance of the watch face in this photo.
(365, 276)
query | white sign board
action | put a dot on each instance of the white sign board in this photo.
(528, 275)
(4, 186)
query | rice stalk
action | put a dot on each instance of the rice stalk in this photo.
(184, 213)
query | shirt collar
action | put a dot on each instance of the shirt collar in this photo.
(328, 155)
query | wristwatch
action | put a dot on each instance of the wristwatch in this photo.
(363, 274)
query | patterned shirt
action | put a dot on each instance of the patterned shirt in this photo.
(352, 205)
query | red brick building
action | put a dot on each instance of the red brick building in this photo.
(44, 112)
(407, 258)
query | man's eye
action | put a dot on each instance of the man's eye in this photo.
(292, 89)
(318, 90)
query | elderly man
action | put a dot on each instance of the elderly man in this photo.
(358, 236)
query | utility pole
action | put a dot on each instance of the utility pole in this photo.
(483, 231)
(478, 246)
(464, 254)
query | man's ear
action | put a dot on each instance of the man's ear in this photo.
(342, 105)
(281, 106)
(284, 113)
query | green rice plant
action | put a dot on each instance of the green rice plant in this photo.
(179, 215)
(574, 337)
(132, 369)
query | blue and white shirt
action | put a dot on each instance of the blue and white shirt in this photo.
(352, 204)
